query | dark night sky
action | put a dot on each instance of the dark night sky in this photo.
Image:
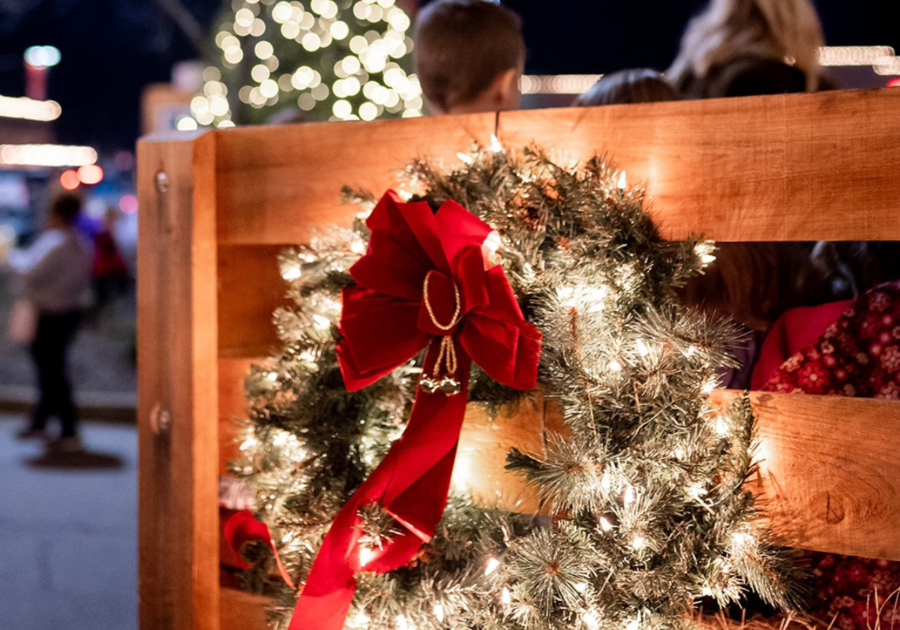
(112, 48)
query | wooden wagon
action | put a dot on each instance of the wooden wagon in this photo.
(217, 206)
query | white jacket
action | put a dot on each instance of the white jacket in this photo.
(55, 271)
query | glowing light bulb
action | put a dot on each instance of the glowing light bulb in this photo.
(366, 555)
(628, 497)
(722, 428)
(465, 158)
(742, 539)
(566, 296)
(322, 323)
(495, 145)
(591, 620)
(642, 348)
(704, 251)
(614, 366)
(250, 442)
(439, 612)
(307, 355)
(272, 376)
(492, 565)
(709, 386)
(606, 482)
(605, 525)
(622, 182)
(638, 542)
(506, 596)
(357, 246)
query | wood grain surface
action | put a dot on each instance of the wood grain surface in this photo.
(250, 288)
(829, 479)
(828, 476)
(774, 168)
(279, 184)
(177, 339)
(767, 168)
(243, 611)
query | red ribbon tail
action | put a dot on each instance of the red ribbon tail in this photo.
(411, 484)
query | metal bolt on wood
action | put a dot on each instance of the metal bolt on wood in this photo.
(160, 420)
(162, 182)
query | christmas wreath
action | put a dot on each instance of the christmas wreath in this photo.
(509, 268)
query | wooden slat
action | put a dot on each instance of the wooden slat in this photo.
(250, 289)
(790, 167)
(232, 407)
(829, 474)
(280, 184)
(178, 512)
(771, 168)
(481, 456)
(243, 611)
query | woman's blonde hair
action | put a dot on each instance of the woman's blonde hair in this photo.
(782, 30)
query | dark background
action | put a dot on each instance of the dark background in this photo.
(112, 48)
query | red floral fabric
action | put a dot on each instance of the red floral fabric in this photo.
(858, 355)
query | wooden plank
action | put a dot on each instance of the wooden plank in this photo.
(481, 457)
(243, 611)
(279, 184)
(829, 477)
(232, 407)
(178, 511)
(773, 168)
(250, 289)
(789, 167)
(823, 488)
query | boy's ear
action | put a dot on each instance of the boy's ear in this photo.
(504, 87)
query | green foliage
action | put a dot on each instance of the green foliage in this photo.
(648, 481)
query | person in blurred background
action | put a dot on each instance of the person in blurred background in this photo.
(109, 271)
(637, 85)
(54, 274)
(470, 55)
(749, 47)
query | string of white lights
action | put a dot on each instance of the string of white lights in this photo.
(25, 108)
(46, 155)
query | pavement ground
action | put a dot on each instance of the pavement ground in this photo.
(68, 532)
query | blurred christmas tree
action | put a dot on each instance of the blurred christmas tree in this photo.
(321, 60)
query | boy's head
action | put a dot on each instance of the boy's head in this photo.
(625, 87)
(469, 56)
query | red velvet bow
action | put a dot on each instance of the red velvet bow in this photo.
(387, 319)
